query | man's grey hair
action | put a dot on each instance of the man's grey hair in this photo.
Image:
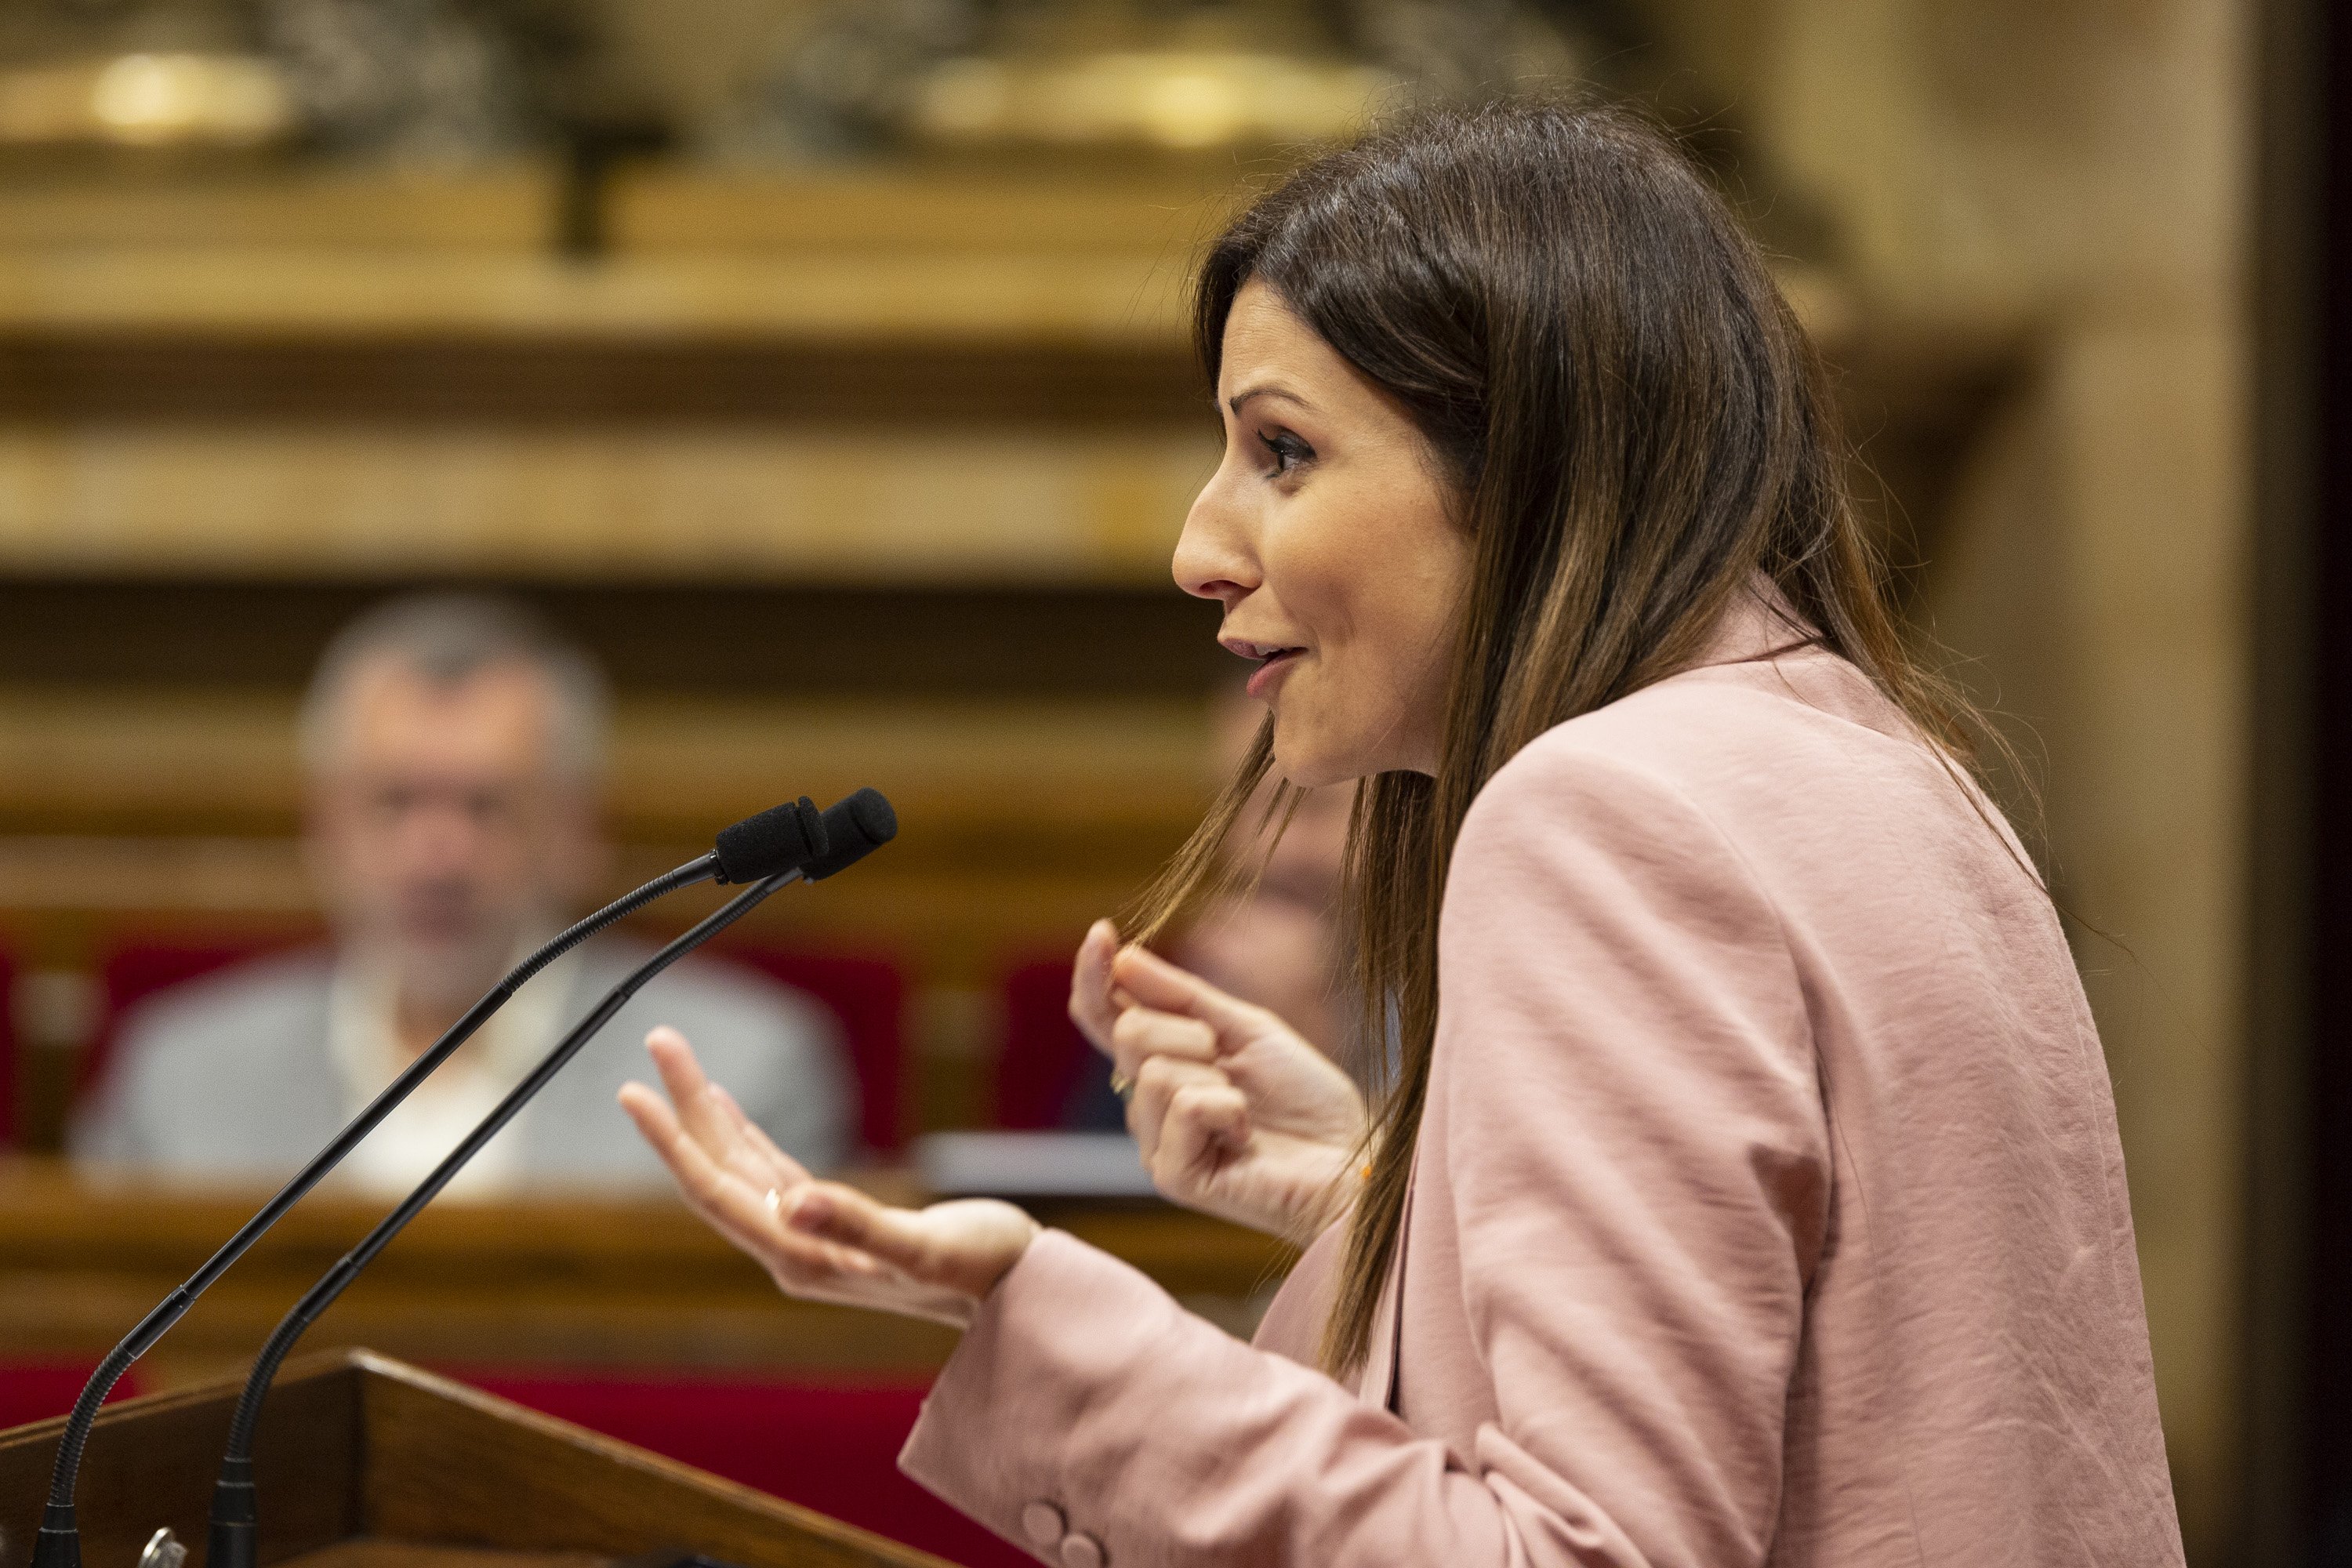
(448, 638)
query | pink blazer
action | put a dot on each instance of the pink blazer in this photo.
(1768, 1207)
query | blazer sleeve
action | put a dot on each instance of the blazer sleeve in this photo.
(1635, 1161)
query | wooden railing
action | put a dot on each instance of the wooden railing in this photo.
(511, 1284)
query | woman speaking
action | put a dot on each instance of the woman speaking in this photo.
(1745, 1187)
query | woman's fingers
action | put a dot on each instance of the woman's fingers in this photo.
(828, 1241)
(739, 1209)
(699, 1178)
(1156, 1086)
(1206, 1123)
(1154, 982)
(781, 1167)
(962, 1248)
(1092, 1007)
(690, 1090)
(847, 1217)
(652, 1115)
(712, 1119)
(698, 1175)
(1142, 1034)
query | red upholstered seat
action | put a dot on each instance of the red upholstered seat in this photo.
(37, 1390)
(1044, 1056)
(9, 1067)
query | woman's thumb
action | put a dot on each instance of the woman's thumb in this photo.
(848, 1218)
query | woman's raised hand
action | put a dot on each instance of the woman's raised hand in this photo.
(1237, 1115)
(820, 1240)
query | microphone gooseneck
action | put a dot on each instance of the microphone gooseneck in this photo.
(235, 1519)
(57, 1542)
(849, 831)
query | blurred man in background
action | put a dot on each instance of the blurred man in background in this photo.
(453, 749)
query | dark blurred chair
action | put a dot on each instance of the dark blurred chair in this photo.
(9, 1066)
(1047, 1077)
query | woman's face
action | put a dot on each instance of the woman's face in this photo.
(1326, 534)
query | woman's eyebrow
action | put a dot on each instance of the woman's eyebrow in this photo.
(1284, 393)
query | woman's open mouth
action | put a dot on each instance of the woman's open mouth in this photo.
(1272, 659)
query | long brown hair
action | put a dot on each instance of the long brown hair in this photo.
(1634, 425)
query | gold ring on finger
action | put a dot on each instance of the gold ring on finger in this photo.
(1122, 1086)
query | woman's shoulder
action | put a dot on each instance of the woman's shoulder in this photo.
(1785, 771)
(1691, 733)
(1620, 801)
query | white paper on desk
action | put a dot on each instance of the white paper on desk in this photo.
(1032, 1165)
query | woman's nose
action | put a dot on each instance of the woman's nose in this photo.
(1213, 558)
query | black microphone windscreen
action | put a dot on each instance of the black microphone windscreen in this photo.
(855, 826)
(778, 839)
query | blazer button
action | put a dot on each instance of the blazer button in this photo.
(1080, 1550)
(1043, 1523)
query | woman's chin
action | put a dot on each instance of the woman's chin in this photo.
(1311, 760)
(1311, 766)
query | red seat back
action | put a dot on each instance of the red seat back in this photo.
(868, 996)
(37, 1389)
(1044, 1056)
(8, 1064)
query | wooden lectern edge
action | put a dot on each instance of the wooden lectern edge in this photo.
(382, 1430)
(371, 1363)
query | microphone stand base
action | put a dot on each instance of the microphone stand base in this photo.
(236, 1537)
(57, 1544)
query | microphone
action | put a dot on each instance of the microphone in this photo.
(852, 828)
(782, 838)
(855, 826)
(779, 840)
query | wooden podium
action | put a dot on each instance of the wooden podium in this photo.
(364, 1462)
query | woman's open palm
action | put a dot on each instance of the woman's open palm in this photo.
(819, 1240)
(1237, 1114)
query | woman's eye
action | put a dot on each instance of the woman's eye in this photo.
(1287, 451)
